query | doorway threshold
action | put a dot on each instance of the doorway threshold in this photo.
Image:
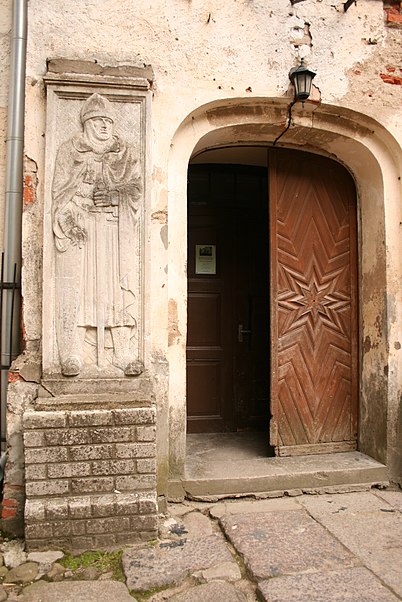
(222, 465)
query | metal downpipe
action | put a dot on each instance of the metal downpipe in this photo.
(10, 319)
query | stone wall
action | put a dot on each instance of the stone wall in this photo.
(90, 475)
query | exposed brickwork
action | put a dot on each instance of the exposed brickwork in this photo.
(393, 13)
(391, 79)
(90, 477)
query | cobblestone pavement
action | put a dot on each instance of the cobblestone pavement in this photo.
(318, 548)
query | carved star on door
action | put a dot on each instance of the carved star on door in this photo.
(311, 298)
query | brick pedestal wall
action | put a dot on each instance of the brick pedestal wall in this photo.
(90, 477)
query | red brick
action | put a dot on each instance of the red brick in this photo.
(29, 192)
(8, 513)
(391, 79)
(394, 19)
(10, 503)
(13, 377)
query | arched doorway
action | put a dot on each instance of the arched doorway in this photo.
(272, 299)
(368, 150)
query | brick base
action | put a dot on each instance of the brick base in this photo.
(90, 476)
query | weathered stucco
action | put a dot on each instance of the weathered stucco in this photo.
(221, 78)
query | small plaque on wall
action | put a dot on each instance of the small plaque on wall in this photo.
(205, 259)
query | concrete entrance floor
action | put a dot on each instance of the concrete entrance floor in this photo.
(236, 464)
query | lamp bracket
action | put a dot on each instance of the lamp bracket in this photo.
(346, 5)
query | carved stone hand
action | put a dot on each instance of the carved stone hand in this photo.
(78, 236)
(102, 198)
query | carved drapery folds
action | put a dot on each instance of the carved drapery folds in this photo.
(93, 320)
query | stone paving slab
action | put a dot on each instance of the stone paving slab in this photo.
(215, 592)
(170, 562)
(227, 571)
(375, 538)
(197, 525)
(76, 591)
(320, 506)
(286, 542)
(349, 585)
(252, 506)
(394, 498)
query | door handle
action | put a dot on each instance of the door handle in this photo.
(241, 331)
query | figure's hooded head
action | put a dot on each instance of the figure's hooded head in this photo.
(96, 106)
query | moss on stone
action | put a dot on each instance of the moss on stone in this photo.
(104, 562)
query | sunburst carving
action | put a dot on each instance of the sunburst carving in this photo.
(313, 298)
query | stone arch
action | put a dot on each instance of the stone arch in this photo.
(371, 154)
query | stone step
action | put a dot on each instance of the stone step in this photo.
(223, 474)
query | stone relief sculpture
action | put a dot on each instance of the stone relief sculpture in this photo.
(96, 192)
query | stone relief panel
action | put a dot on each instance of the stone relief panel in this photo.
(95, 207)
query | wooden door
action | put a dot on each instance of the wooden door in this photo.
(227, 335)
(209, 323)
(314, 305)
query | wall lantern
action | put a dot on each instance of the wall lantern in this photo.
(301, 78)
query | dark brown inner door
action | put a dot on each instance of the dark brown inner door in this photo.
(228, 318)
(313, 305)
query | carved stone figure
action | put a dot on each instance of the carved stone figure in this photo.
(97, 188)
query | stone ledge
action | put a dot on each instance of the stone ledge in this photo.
(95, 506)
(92, 401)
(63, 419)
(62, 66)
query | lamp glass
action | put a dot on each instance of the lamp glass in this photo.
(301, 78)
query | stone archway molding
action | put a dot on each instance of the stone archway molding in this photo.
(373, 156)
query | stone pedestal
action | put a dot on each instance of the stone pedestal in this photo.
(90, 472)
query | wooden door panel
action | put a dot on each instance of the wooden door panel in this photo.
(204, 378)
(314, 304)
(205, 330)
